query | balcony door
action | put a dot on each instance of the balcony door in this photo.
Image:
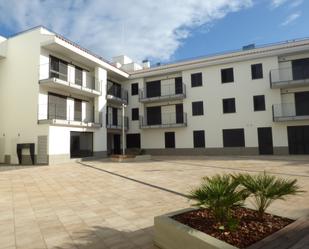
(77, 110)
(153, 88)
(300, 69)
(178, 85)
(57, 106)
(115, 116)
(179, 113)
(302, 103)
(154, 115)
(78, 76)
(58, 69)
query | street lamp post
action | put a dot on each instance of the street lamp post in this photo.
(123, 148)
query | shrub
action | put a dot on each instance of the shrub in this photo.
(265, 189)
(219, 193)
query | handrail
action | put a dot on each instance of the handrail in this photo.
(88, 80)
(53, 111)
(166, 90)
(164, 119)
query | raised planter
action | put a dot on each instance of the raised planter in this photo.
(130, 158)
(171, 234)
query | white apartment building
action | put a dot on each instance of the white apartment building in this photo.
(59, 102)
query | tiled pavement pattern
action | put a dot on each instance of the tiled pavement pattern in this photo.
(112, 205)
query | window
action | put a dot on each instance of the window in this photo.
(259, 103)
(134, 89)
(133, 140)
(227, 75)
(257, 71)
(199, 139)
(197, 108)
(229, 105)
(196, 79)
(233, 138)
(135, 114)
(169, 139)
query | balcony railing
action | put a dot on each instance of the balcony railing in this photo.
(60, 114)
(166, 92)
(289, 111)
(116, 93)
(64, 75)
(164, 120)
(289, 77)
(115, 122)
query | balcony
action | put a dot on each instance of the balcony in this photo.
(66, 79)
(116, 94)
(164, 120)
(164, 93)
(57, 114)
(289, 112)
(289, 77)
(114, 122)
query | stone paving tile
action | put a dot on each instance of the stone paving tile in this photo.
(112, 205)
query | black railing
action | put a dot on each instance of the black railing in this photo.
(117, 92)
(164, 120)
(115, 121)
(166, 91)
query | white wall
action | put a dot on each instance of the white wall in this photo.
(214, 121)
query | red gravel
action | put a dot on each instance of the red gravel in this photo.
(251, 228)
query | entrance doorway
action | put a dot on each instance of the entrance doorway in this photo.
(117, 142)
(265, 139)
(81, 144)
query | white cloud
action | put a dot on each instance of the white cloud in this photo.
(277, 3)
(138, 28)
(292, 3)
(291, 18)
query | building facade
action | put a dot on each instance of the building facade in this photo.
(61, 102)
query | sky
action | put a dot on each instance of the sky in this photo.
(160, 30)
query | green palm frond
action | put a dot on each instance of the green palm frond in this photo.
(219, 193)
(267, 188)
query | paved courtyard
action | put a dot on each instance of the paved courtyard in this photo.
(100, 204)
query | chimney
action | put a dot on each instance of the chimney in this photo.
(146, 64)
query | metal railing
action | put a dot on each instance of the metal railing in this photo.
(117, 92)
(63, 112)
(115, 121)
(288, 75)
(288, 111)
(88, 81)
(166, 91)
(171, 119)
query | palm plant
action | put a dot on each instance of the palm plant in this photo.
(265, 189)
(219, 193)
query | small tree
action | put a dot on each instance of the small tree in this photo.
(219, 193)
(265, 189)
